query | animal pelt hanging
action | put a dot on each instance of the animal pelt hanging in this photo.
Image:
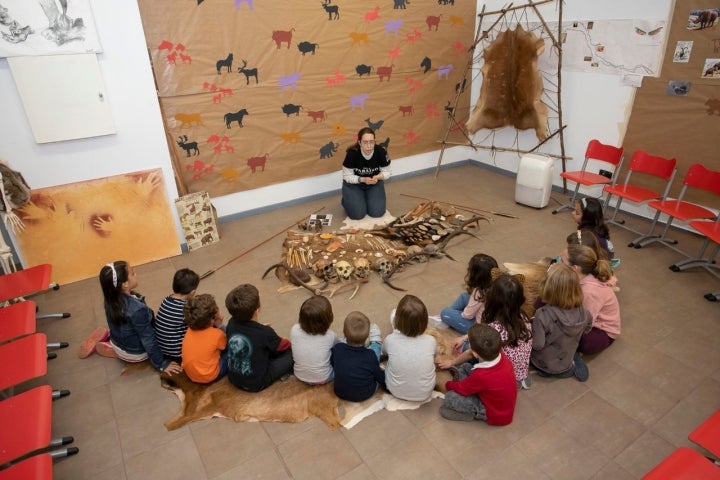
(16, 191)
(512, 85)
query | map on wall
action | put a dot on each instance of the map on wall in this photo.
(618, 47)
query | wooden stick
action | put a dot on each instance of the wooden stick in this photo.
(461, 206)
(210, 272)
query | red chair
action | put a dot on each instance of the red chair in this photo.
(17, 320)
(26, 419)
(38, 467)
(684, 464)
(697, 177)
(613, 156)
(16, 285)
(24, 359)
(648, 165)
(711, 230)
(707, 434)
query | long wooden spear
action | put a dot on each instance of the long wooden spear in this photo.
(470, 209)
(210, 272)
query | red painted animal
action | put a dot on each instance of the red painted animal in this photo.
(282, 36)
(255, 162)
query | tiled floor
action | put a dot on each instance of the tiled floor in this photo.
(645, 393)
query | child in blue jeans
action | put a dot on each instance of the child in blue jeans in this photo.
(467, 309)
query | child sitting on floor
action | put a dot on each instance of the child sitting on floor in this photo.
(204, 358)
(486, 390)
(257, 356)
(558, 325)
(503, 312)
(170, 326)
(312, 340)
(357, 367)
(467, 309)
(410, 370)
(588, 214)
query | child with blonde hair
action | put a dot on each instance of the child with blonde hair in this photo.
(558, 326)
(410, 369)
(312, 341)
(204, 357)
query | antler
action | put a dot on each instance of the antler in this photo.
(294, 279)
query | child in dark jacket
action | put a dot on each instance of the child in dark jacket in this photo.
(257, 356)
(357, 367)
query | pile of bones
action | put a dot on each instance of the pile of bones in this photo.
(325, 262)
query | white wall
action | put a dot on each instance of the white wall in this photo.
(594, 106)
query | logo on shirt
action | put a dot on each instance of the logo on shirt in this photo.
(239, 355)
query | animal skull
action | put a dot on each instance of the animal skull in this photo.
(330, 274)
(319, 268)
(362, 267)
(383, 266)
(343, 269)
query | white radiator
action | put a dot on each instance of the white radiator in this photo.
(534, 180)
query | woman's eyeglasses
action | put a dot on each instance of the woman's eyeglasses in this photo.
(368, 142)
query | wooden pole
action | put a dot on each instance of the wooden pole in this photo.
(210, 272)
(471, 209)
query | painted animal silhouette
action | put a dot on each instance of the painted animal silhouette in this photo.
(255, 162)
(227, 63)
(187, 119)
(307, 47)
(248, 72)
(290, 109)
(332, 10)
(282, 36)
(363, 69)
(426, 64)
(235, 117)
(374, 125)
(318, 115)
(188, 146)
(384, 72)
(433, 21)
(327, 150)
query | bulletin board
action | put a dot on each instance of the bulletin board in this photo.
(259, 93)
(678, 114)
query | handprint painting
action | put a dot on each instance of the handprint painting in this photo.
(79, 227)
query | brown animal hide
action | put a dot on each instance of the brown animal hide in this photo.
(532, 274)
(512, 85)
(290, 401)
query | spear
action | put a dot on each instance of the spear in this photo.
(210, 272)
(470, 209)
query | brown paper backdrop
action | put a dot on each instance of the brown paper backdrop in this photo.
(683, 127)
(382, 34)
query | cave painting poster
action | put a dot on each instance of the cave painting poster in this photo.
(79, 227)
(261, 93)
(47, 27)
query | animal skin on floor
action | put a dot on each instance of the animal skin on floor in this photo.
(512, 85)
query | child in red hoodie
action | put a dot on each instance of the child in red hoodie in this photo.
(486, 390)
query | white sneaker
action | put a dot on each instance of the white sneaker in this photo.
(375, 334)
(434, 321)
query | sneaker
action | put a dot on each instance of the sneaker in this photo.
(104, 349)
(525, 383)
(580, 371)
(375, 335)
(436, 322)
(87, 347)
(450, 414)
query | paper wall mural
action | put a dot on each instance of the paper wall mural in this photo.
(259, 93)
(79, 227)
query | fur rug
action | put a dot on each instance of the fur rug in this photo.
(367, 222)
(290, 401)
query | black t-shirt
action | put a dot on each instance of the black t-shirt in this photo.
(250, 346)
(366, 168)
